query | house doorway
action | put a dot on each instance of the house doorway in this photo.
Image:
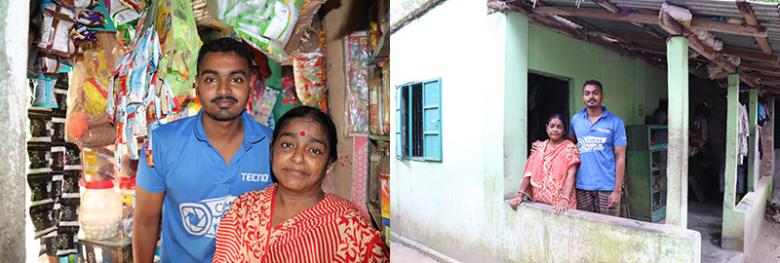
(546, 96)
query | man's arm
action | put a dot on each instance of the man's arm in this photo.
(146, 222)
(620, 171)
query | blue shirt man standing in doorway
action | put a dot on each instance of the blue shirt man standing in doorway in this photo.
(601, 140)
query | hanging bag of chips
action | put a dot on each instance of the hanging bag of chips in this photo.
(265, 24)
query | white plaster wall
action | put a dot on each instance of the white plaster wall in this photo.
(442, 205)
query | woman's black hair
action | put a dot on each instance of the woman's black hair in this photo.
(311, 113)
(557, 116)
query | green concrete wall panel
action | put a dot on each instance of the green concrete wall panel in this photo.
(631, 86)
(752, 140)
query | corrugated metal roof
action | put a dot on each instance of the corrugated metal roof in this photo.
(767, 14)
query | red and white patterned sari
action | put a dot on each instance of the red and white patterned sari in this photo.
(331, 231)
(548, 168)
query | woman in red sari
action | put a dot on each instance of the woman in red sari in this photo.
(551, 169)
(294, 220)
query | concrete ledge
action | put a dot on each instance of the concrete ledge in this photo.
(741, 225)
(534, 230)
(613, 220)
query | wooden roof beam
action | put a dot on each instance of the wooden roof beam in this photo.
(752, 55)
(614, 9)
(765, 77)
(674, 28)
(649, 18)
(760, 67)
(750, 19)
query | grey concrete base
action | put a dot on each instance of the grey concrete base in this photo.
(707, 220)
(421, 248)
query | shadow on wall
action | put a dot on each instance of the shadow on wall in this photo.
(358, 17)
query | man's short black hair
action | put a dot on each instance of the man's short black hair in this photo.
(226, 45)
(593, 82)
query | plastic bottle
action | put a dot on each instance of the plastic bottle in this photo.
(100, 211)
(127, 193)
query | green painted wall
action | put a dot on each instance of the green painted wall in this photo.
(631, 86)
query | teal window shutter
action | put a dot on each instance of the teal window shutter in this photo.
(432, 120)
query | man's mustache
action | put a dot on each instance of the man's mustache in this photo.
(218, 98)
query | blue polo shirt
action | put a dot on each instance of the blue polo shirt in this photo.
(596, 142)
(198, 186)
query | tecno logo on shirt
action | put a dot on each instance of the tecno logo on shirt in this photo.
(254, 177)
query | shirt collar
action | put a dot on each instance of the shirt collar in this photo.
(604, 112)
(252, 133)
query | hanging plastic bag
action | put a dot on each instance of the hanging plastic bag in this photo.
(309, 68)
(356, 68)
(265, 24)
(87, 123)
(182, 62)
(306, 22)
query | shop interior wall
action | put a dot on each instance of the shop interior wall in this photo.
(340, 18)
(14, 101)
(456, 207)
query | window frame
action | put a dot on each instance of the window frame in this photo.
(405, 105)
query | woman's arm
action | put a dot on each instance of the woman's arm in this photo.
(568, 187)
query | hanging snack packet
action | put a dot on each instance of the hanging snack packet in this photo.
(182, 62)
(70, 184)
(56, 186)
(55, 31)
(66, 240)
(44, 91)
(69, 207)
(264, 108)
(82, 35)
(72, 158)
(58, 132)
(39, 126)
(40, 157)
(57, 159)
(310, 77)
(40, 188)
(42, 218)
(89, 18)
(265, 24)
(61, 95)
(47, 245)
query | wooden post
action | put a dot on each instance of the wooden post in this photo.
(677, 151)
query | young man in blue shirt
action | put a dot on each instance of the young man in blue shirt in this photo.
(200, 164)
(601, 140)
